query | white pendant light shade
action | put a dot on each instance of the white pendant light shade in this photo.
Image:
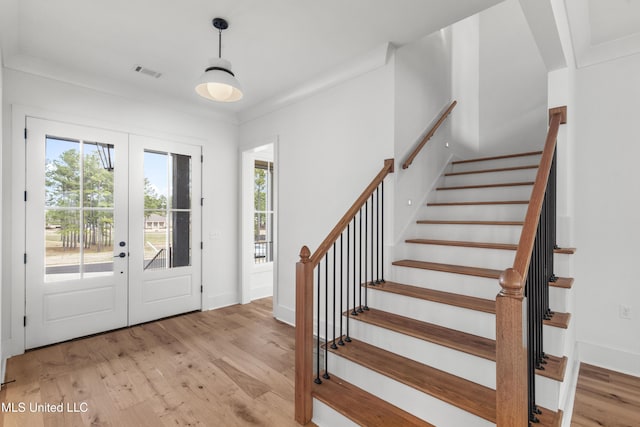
(218, 82)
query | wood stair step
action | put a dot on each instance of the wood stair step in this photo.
(457, 300)
(481, 245)
(450, 338)
(495, 202)
(514, 168)
(472, 187)
(362, 407)
(558, 320)
(444, 222)
(464, 394)
(504, 156)
(562, 282)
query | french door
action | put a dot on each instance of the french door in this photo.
(111, 228)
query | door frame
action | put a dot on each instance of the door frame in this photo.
(14, 343)
(246, 218)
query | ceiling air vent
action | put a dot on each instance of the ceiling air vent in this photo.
(146, 71)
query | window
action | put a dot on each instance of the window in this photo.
(263, 212)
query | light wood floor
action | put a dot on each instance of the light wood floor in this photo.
(228, 367)
(606, 398)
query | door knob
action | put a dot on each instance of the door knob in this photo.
(120, 255)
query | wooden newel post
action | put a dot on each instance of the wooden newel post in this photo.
(304, 337)
(511, 356)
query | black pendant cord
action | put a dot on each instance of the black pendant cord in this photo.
(219, 43)
(333, 343)
(326, 317)
(318, 347)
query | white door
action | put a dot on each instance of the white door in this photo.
(76, 218)
(165, 260)
(109, 243)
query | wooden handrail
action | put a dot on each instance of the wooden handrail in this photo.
(353, 210)
(511, 356)
(304, 300)
(528, 234)
(428, 136)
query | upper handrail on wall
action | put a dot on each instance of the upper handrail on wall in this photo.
(428, 136)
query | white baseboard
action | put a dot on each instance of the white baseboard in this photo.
(262, 292)
(609, 358)
(567, 405)
(220, 301)
(285, 314)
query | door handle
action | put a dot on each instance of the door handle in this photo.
(120, 255)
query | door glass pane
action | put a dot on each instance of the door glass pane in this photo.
(62, 244)
(62, 173)
(78, 230)
(263, 211)
(98, 248)
(167, 210)
(98, 175)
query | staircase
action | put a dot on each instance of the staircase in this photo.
(422, 350)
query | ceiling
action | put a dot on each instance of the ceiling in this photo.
(275, 46)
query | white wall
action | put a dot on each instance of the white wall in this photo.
(422, 85)
(330, 147)
(1, 216)
(513, 83)
(607, 206)
(62, 101)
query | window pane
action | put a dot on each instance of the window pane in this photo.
(98, 243)
(180, 234)
(62, 166)
(156, 248)
(155, 181)
(260, 188)
(62, 244)
(98, 175)
(181, 181)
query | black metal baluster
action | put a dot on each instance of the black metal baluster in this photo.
(382, 237)
(372, 238)
(353, 311)
(364, 283)
(326, 317)
(360, 268)
(378, 250)
(340, 342)
(333, 343)
(348, 339)
(318, 347)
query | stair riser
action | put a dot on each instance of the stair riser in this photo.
(497, 163)
(471, 233)
(461, 364)
(476, 212)
(547, 392)
(326, 416)
(461, 319)
(490, 177)
(519, 192)
(407, 398)
(455, 283)
(559, 299)
(477, 257)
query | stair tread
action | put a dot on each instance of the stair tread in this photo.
(469, 222)
(558, 320)
(469, 396)
(493, 202)
(514, 168)
(503, 156)
(562, 282)
(481, 245)
(451, 338)
(472, 187)
(362, 407)
(463, 301)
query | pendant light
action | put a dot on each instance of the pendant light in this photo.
(218, 83)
